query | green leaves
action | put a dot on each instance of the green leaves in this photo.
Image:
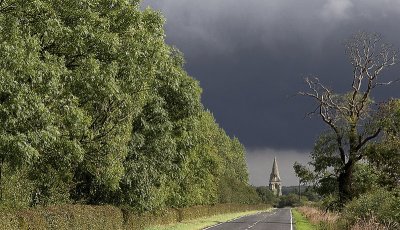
(304, 174)
(384, 155)
(96, 108)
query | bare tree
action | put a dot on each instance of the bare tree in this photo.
(347, 114)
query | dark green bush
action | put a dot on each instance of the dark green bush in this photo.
(15, 188)
(232, 190)
(380, 204)
(108, 217)
(266, 195)
(134, 220)
(63, 217)
(291, 200)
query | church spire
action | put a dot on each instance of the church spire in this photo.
(275, 179)
(275, 172)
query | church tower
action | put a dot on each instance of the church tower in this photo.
(275, 180)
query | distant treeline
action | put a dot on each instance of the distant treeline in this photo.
(95, 108)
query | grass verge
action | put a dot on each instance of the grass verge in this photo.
(202, 222)
(301, 222)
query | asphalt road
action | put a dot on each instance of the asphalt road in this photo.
(278, 219)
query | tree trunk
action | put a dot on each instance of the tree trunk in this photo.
(345, 176)
(345, 183)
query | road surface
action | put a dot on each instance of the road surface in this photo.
(278, 219)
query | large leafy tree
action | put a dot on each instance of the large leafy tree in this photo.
(161, 136)
(98, 109)
(34, 105)
(347, 115)
(80, 73)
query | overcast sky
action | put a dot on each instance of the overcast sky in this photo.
(251, 57)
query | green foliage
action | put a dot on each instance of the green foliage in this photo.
(379, 203)
(266, 195)
(305, 175)
(384, 155)
(311, 194)
(232, 190)
(108, 217)
(325, 154)
(330, 203)
(63, 217)
(366, 179)
(95, 108)
(149, 160)
(16, 189)
(291, 200)
(327, 167)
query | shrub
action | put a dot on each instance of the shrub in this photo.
(330, 203)
(379, 203)
(134, 220)
(15, 188)
(291, 200)
(108, 217)
(266, 195)
(232, 190)
(63, 217)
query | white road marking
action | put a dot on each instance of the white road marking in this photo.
(265, 216)
(291, 221)
(253, 225)
(215, 225)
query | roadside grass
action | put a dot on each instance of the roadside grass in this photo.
(301, 222)
(203, 222)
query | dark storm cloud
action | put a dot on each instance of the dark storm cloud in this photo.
(225, 27)
(251, 56)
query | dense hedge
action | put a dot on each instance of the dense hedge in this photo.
(107, 217)
(63, 217)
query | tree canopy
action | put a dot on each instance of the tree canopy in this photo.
(96, 108)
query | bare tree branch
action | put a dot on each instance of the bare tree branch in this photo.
(363, 142)
(369, 58)
(347, 114)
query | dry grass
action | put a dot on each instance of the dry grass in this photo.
(327, 220)
(332, 221)
(373, 224)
